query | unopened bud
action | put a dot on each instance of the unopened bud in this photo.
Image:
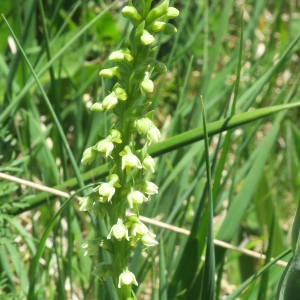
(132, 14)
(110, 73)
(97, 107)
(149, 164)
(147, 38)
(172, 13)
(157, 12)
(147, 85)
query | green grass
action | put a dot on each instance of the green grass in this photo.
(234, 177)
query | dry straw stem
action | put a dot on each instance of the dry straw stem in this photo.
(144, 219)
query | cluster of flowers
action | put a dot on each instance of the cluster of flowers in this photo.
(134, 66)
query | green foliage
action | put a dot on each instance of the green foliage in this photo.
(46, 123)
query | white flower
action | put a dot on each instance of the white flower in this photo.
(153, 134)
(88, 156)
(106, 190)
(148, 240)
(143, 125)
(139, 229)
(149, 188)
(129, 160)
(135, 197)
(146, 126)
(110, 101)
(127, 278)
(119, 231)
(149, 164)
(105, 146)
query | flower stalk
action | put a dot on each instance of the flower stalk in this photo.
(125, 187)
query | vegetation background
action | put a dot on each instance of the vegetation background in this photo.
(255, 183)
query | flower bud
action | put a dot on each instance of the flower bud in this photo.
(172, 13)
(88, 156)
(110, 101)
(149, 164)
(149, 188)
(169, 29)
(86, 203)
(127, 278)
(120, 55)
(148, 241)
(157, 12)
(120, 93)
(153, 134)
(147, 85)
(147, 38)
(101, 270)
(116, 56)
(105, 146)
(91, 248)
(136, 197)
(132, 14)
(113, 180)
(133, 219)
(110, 73)
(119, 231)
(143, 125)
(157, 26)
(97, 107)
(115, 136)
(166, 28)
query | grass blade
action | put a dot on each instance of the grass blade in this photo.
(43, 242)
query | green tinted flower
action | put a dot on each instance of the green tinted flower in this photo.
(127, 278)
(147, 85)
(147, 38)
(148, 240)
(119, 231)
(149, 164)
(135, 197)
(88, 156)
(129, 160)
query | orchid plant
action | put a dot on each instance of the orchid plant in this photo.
(126, 188)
